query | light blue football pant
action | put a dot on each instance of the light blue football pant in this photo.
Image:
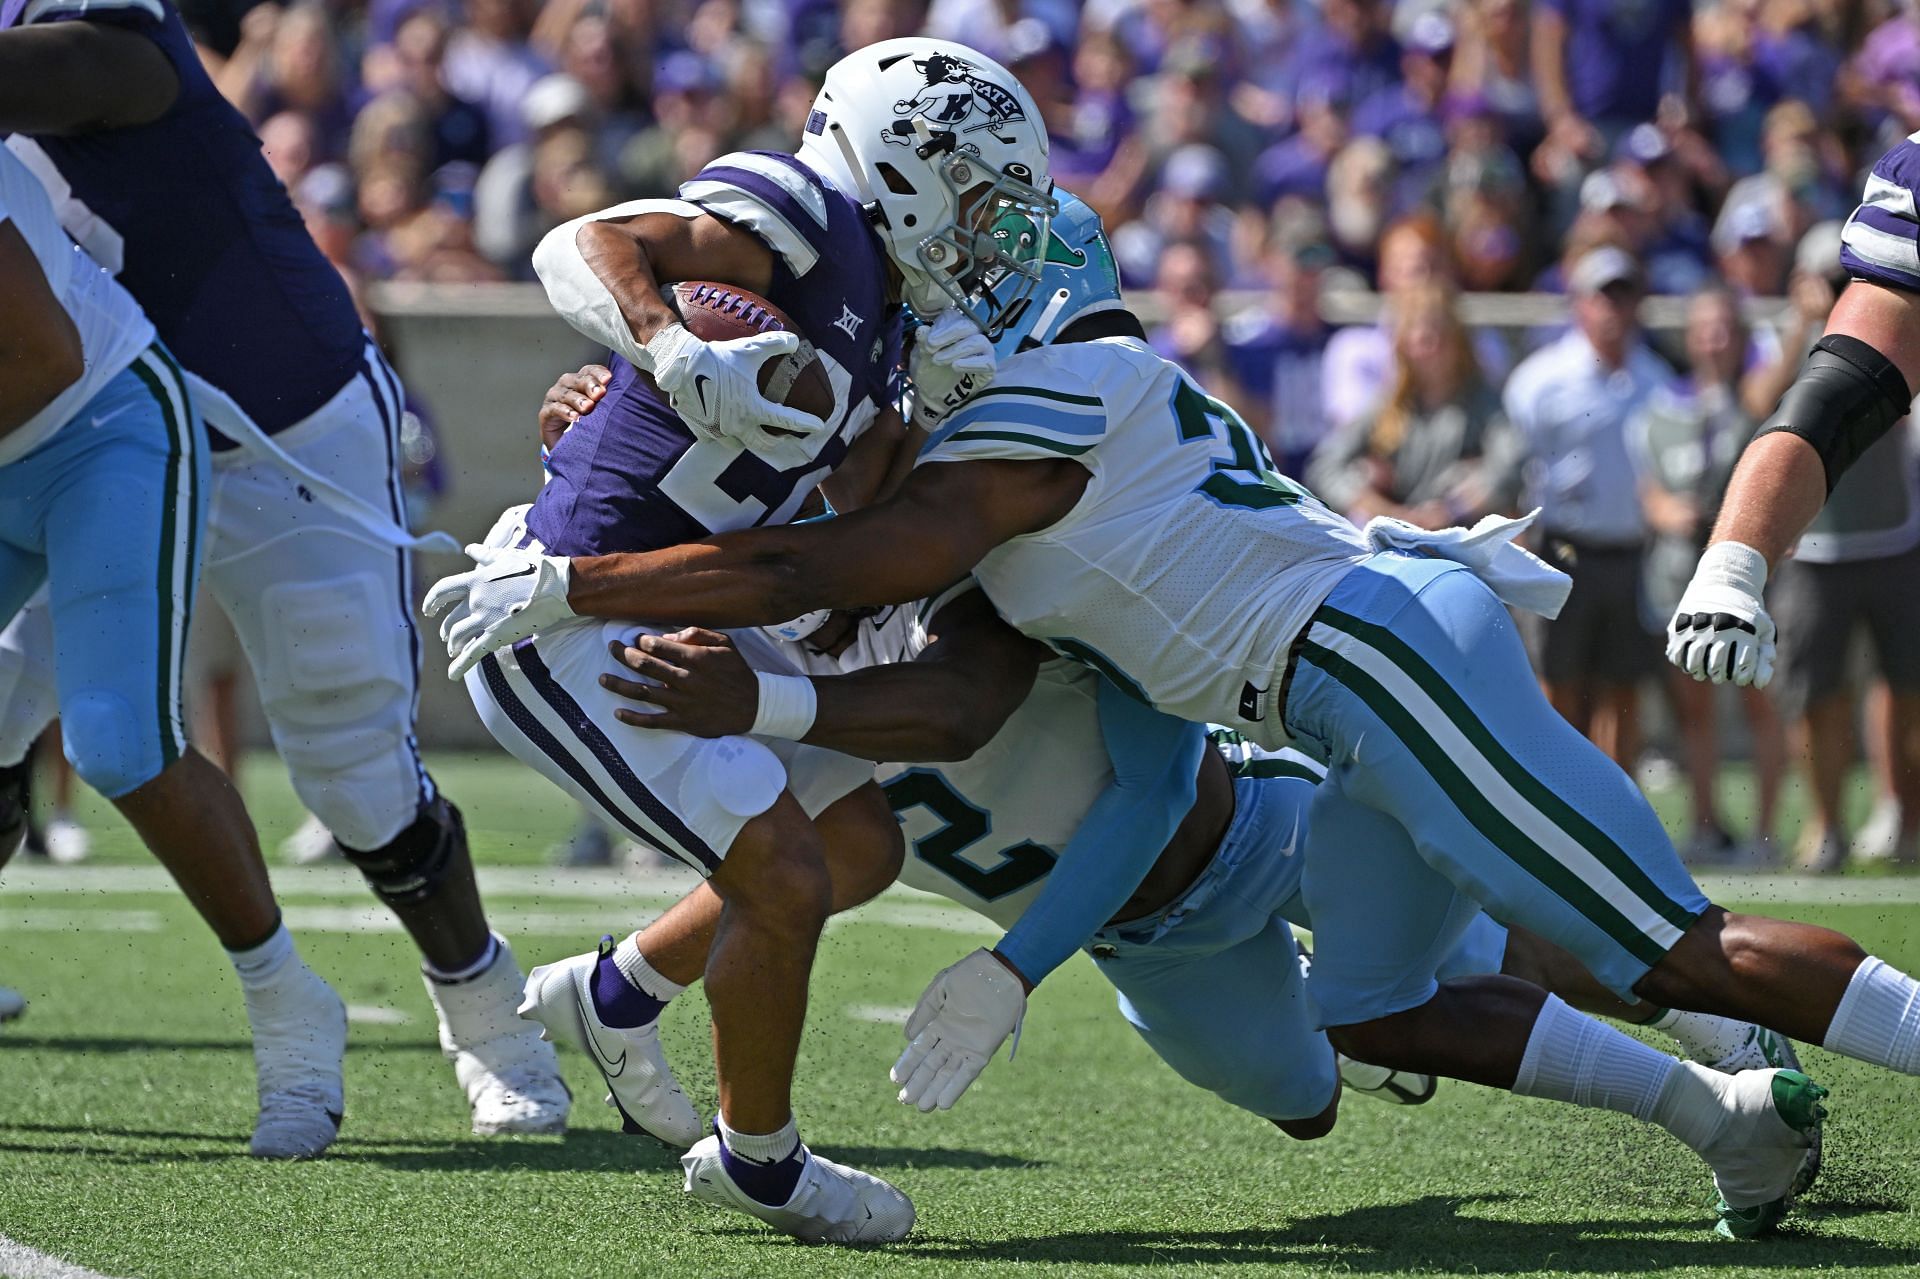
(1212, 982)
(1454, 786)
(107, 515)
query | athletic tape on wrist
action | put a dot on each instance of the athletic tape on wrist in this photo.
(787, 706)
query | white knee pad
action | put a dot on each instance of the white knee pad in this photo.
(336, 674)
(29, 698)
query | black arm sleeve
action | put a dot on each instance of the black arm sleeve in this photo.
(1846, 397)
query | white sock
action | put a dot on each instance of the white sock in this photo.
(762, 1148)
(1703, 1036)
(641, 975)
(1878, 1019)
(1573, 1058)
(261, 966)
(467, 972)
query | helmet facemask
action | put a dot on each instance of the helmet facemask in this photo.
(986, 260)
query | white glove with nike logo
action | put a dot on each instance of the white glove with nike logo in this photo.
(1721, 631)
(951, 360)
(715, 387)
(512, 594)
(965, 1015)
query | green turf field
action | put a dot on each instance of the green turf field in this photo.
(127, 1098)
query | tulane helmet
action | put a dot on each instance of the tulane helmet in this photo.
(1078, 276)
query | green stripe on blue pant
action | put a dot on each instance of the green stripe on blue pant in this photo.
(1414, 684)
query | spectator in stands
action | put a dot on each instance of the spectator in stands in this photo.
(1887, 70)
(1735, 90)
(1437, 450)
(1297, 167)
(490, 63)
(1599, 67)
(988, 25)
(1407, 115)
(1493, 66)
(688, 129)
(289, 60)
(1186, 207)
(1269, 34)
(508, 217)
(1189, 329)
(1484, 198)
(460, 129)
(1187, 102)
(592, 52)
(1751, 243)
(1677, 250)
(1275, 349)
(288, 140)
(1572, 401)
(1359, 201)
(1684, 445)
(1096, 154)
(1351, 54)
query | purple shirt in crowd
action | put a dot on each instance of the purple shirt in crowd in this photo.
(1617, 54)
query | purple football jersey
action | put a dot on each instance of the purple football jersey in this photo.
(1881, 242)
(205, 236)
(630, 475)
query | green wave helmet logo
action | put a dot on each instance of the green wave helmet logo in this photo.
(1015, 233)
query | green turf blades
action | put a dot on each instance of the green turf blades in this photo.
(1797, 1099)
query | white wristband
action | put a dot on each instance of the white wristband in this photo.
(787, 706)
(1735, 564)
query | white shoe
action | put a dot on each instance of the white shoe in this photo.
(1881, 834)
(1765, 1050)
(299, 1038)
(640, 1083)
(509, 1073)
(1760, 1150)
(832, 1204)
(312, 843)
(68, 842)
(12, 1003)
(1401, 1087)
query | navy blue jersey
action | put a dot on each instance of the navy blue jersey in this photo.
(630, 476)
(205, 236)
(1881, 242)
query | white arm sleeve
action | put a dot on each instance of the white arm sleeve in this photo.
(579, 295)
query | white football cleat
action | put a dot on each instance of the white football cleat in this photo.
(1763, 1049)
(12, 1003)
(68, 842)
(299, 1038)
(509, 1072)
(640, 1083)
(1760, 1151)
(1400, 1087)
(832, 1203)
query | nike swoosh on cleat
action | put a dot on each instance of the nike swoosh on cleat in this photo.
(608, 1067)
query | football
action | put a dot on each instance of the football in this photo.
(717, 312)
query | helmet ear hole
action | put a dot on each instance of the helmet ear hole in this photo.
(897, 182)
(910, 220)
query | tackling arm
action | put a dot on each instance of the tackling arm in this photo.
(40, 352)
(80, 77)
(931, 533)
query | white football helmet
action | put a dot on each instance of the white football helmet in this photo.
(941, 144)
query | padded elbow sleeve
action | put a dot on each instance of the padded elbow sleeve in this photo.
(1846, 397)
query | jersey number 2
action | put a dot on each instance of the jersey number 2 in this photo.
(965, 826)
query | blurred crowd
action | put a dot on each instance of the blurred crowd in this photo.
(1606, 150)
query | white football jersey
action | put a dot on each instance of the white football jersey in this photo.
(1189, 566)
(113, 329)
(985, 831)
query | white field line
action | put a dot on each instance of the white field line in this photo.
(883, 1014)
(376, 1015)
(16, 919)
(17, 1261)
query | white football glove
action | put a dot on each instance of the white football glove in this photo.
(715, 388)
(951, 359)
(511, 595)
(965, 1015)
(1721, 631)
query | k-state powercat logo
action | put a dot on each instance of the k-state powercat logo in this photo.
(957, 99)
